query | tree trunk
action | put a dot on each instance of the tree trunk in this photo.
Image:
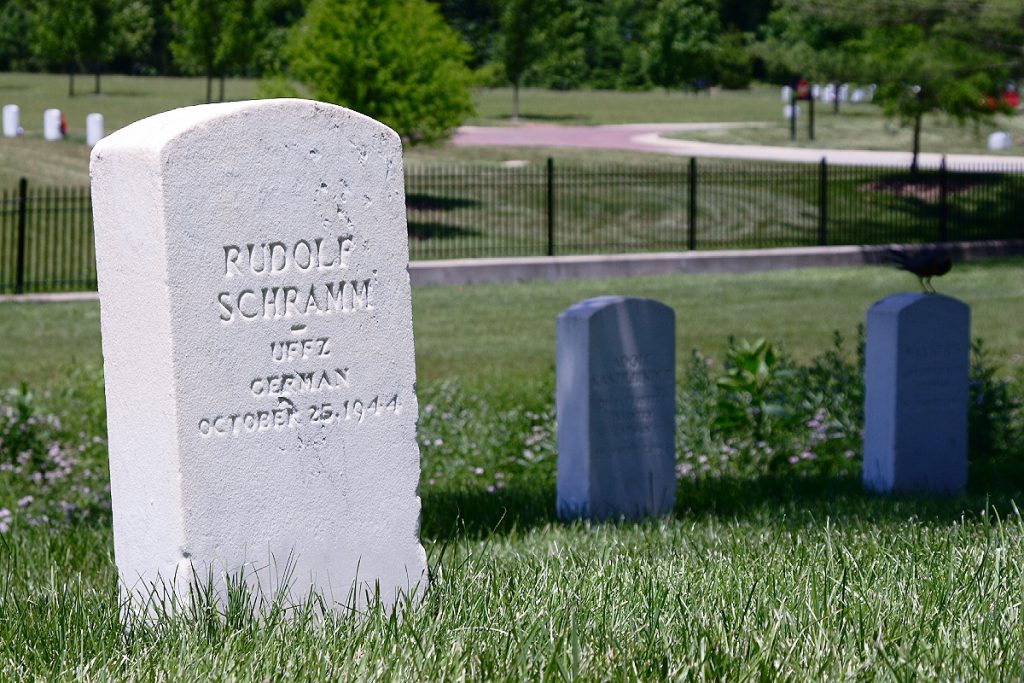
(220, 97)
(209, 86)
(917, 142)
(835, 100)
(515, 100)
(96, 88)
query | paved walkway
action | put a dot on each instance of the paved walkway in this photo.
(648, 137)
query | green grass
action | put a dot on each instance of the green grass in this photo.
(743, 584)
(124, 99)
(127, 98)
(862, 127)
(488, 335)
(592, 107)
(759, 578)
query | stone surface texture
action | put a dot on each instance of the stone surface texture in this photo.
(616, 408)
(257, 340)
(915, 412)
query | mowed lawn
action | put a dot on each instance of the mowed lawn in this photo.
(487, 335)
(128, 98)
(768, 578)
(774, 578)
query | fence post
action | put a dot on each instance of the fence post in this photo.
(823, 203)
(810, 117)
(551, 206)
(19, 286)
(792, 116)
(943, 201)
(691, 241)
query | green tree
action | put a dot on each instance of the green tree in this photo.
(800, 39)
(15, 24)
(563, 65)
(394, 60)
(521, 42)
(120, 28)
(478, 22)
(734, 66)
(273, 22)
(60, 31)
(921, 72)
(212, 38)
(683, 39)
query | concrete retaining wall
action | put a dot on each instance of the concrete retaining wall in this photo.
(473, 271)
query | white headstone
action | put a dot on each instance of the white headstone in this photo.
(869, 92)
(786, 92)
(844, 92)
(1000, 140)
(829, 93)
(616, 408)
(93, 129)
(857, 96)
(12, 120)
(258, 351)
(816, 91)
(790, 110)
(51, 125)
(915, 411)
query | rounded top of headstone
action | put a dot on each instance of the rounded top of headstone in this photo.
(897, 303)
(590, 307)
(155, 132)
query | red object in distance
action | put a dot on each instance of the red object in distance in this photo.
(803, 89)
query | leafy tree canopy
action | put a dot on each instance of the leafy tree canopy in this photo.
(683, 42)
(394, 60)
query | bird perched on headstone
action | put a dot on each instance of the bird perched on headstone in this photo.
(925, 263)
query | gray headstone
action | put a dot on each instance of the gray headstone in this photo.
(915, 413)
(616, 408)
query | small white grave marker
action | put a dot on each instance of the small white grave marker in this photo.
(51, 125)
(616, 402)
(915, 410)
(791, 110)
(786, 92)
(93, 129)
(1000, 140)
(257, 340)
(12, 120)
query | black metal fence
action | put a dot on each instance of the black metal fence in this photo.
(463, 211)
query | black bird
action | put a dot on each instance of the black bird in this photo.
(925, 263)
